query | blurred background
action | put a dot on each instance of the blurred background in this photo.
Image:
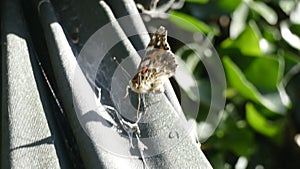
(258, 42)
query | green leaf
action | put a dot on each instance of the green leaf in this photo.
(229, 5)
(247, 43)
(270, 33)
(295, 28)
(227, 132)
(190, 23)
(262, 125)
(238, 80)
(263, 72)
(217, 160)
(242, 145)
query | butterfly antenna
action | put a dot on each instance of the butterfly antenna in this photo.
(115, 59)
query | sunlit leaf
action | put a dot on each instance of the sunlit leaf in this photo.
(266, 47)
(295, 14)
(262, 125)
(238, 21)
(236, 78)
(239, 81)
(190, 23)
(287, 5)
(292, 39)
(265, 11)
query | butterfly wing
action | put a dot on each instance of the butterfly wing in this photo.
(158, 55)
(163, 63)
(159, 69)
(157, 65)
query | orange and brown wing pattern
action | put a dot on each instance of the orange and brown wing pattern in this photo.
(157, 65)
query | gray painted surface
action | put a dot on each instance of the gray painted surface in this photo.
(172, 147)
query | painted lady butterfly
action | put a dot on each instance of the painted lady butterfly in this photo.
(156, 67)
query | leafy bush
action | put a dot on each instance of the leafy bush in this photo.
(258, 43)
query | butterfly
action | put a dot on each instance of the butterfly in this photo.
(157, 65)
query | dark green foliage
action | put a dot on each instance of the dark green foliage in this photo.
(258, 43)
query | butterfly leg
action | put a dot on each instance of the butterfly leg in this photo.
(139, 105)
(126, 92)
